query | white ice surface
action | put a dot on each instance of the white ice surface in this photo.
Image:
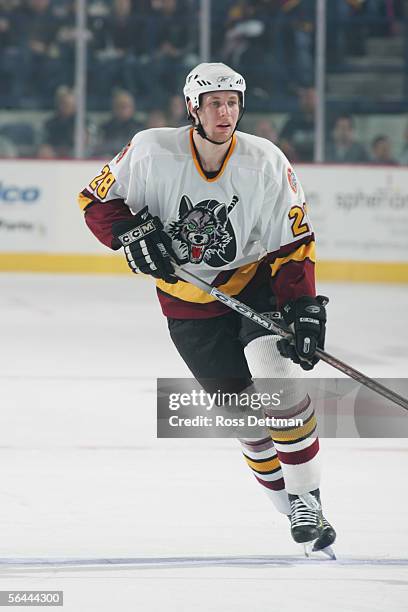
(83, 476)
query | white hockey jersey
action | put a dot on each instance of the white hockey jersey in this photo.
(253, 209)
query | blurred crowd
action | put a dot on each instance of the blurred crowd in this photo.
(137, 45)
(146, 46)
(138, 52)
(343, 146)
(109, 137)
(296, 136)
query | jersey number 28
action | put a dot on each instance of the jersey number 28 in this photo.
(103, 182)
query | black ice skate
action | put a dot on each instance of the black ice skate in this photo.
(326, 538)
(308, 525)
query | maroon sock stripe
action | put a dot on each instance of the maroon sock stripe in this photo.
(275, 485)
(301, 456)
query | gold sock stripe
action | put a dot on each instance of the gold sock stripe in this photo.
(276, 473)
(294, 434)
(263, 466)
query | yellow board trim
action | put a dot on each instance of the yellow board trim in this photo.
(362, 271)
(69, 263)
(224, 164)
(76, 263)
(306, 251)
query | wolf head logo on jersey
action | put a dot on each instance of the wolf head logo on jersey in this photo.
(205, 232)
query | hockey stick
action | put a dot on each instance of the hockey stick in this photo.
(260, 319)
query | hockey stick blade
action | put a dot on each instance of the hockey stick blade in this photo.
(271, 325)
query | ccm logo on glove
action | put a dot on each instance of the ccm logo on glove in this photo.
(137, 233)
(148, 249)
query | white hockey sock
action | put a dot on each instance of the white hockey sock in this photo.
(297, 447)
(262, 458)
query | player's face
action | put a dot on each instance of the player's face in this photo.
(219, 112)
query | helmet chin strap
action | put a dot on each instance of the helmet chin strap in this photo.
(201, 132)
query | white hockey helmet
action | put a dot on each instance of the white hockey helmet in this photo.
(212, 77)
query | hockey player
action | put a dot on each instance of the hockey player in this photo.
(229, 207)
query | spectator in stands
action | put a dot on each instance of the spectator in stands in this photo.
(293, 27)
(121, 126)
(219, 22)
(58, 131)
(39, 70)
(266, 129)
(343, 148)
(11, 53)
(381, 151)
(8, 10)
(347, 29)
(120, 53)
(403, 157)
(175, 44)
(245, 46)
(388, 13)
(156, 118)
(176, 112)
(46, 151)
(118, 30)
(297, 135)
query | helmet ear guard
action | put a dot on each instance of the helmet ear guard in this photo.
(190, 117)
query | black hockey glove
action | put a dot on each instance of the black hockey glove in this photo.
(147, 246)
(306, 317)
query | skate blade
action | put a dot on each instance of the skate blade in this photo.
(329, 552)
(310, 552)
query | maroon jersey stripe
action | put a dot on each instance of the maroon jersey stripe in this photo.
(100, 216)
(294, 280)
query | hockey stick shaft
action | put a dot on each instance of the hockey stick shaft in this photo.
(271, 325)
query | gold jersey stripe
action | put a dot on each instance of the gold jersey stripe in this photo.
(83, 201)
(189, 293)
(305, 251)
(292, 435)
(265, 466)
(224, 165)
